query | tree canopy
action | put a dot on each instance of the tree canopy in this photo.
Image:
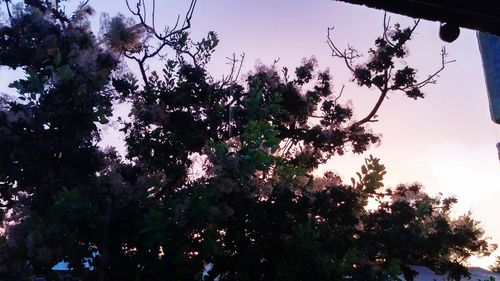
(254, 212)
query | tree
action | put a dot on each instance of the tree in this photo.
(255, 213)
(49, 131)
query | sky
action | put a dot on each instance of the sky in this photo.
(445, 141)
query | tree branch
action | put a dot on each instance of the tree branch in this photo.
(164, 38)
(84, 3)
(233, 74)
(347, 55)
(374, 110)
(8, 10)
(389, 47)
(340, 94)
(430, 79)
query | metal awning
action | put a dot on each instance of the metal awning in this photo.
(481, 15)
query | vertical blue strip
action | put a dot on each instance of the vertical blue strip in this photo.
(489, 46)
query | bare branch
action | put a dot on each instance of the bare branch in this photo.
(84, 3)
(341, 91)
(415, 24)
(8, 9)
(167, 38)
(130, 8)
(242, 56)
(347, 55)
(387, 25)
(143, 4)
(236, 65)
(190, 54)
(153, 15)
(141, 17)
(431, 78)
(374, 110)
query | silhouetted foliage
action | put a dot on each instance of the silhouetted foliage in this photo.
(386, 69)
(495, 267)
(254, 212)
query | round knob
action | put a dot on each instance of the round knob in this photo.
(449, 32)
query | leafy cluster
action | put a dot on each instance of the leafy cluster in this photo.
(386, 69)
(255, 212)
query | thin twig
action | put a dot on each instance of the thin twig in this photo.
(348, 58)
(430, 79)
(387, 25)
(153, 14)
(130, 9)
(83, 4)
(341, 91)
(8, 10)
(166, 39)
(234, 73)
(144, 9)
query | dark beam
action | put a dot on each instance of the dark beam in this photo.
(482, 15)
